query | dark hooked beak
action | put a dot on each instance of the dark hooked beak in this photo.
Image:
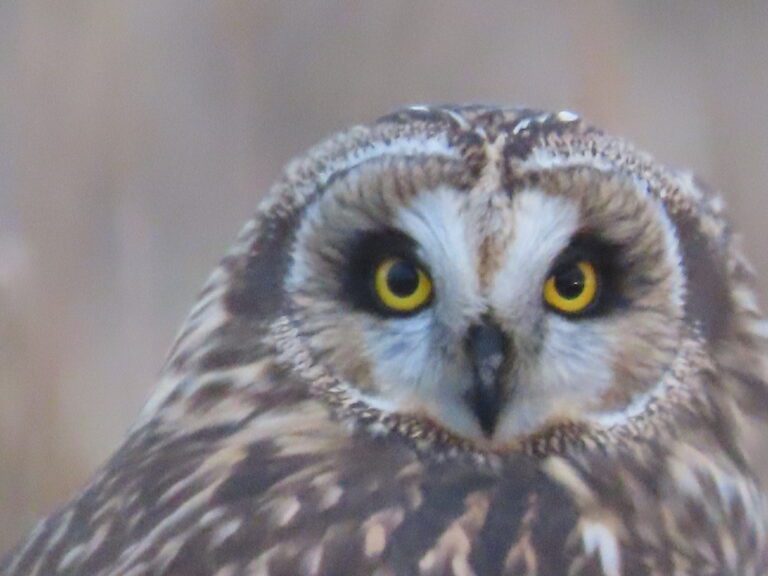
(489, 351)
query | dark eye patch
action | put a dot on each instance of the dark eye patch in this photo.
(365, 251)
(605, 257)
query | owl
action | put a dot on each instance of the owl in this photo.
(461, 340)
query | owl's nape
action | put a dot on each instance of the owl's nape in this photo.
(462, 340)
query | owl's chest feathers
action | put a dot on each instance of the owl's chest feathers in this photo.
(301, 486)
(300, 467)
(284, 481)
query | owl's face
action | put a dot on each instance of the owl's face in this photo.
(532, 293)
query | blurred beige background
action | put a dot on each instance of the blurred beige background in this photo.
(136, 138)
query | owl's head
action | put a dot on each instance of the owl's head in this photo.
(484, 275)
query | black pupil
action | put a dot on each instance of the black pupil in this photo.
(403, 278)
(569, 281)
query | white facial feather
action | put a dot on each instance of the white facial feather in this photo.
(436, 222)
(560, 363)
(417, 360)
(488, 255)
(542, 228)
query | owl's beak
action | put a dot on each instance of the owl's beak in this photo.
(489, 350)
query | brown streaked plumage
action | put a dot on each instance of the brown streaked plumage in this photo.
(299, 429)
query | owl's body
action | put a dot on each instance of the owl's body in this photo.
(459, 341)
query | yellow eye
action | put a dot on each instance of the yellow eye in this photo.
(402, 286)
(572, 288)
